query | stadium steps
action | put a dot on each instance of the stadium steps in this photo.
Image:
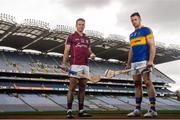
(31, 59)
(40, 102)
(131, 106)
(28, 104)
(12, 103)
(163, 104)
(175, 101)
(86, 107)
(114, 107)
(91, 104)
(168, 104)
(55, 101)
(4, 57)
(57, 63)
(102, 105)
(61, 100)
(120, 104)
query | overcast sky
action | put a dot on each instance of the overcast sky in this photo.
(108, 17)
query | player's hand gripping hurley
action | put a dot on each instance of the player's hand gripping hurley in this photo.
(111, 73)
(92, 78)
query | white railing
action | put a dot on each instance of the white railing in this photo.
(115, 37)
(36, 23)
(65, 28)
(94, 33)
(7, 18)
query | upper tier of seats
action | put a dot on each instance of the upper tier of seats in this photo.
(14, 61)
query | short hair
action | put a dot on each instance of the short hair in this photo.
(136, 14)
(80, 19)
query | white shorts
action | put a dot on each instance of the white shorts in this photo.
(76, 69)
(137, 65)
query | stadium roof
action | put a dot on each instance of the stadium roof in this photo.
(36, 35)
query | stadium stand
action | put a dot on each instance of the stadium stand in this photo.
(9, 103)
(40, 103)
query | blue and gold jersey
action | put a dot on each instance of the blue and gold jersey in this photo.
(138, 42)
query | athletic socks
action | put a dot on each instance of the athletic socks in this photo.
(138, 103)
(81, 106)
(152, 103)
(69, 106)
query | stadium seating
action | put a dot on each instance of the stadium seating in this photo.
(20, 62)
(9, 103)
(38, 63)
(57, 102)
(114, 102)
(40, 103)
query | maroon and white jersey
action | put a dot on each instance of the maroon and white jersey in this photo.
(79, 49)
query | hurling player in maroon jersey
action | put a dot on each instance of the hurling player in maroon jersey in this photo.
(78, 45)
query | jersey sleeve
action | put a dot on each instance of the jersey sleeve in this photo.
(89, 43)
(148, 33)
(68, 40)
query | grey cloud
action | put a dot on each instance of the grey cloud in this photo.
(79, 5)
(165, 14)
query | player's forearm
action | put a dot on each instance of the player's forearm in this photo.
(65, 57)
(152, 53)
(90, 51)
(129, 57)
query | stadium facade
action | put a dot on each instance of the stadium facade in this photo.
(33, 81)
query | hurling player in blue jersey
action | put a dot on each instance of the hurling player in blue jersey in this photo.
(142, 52)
